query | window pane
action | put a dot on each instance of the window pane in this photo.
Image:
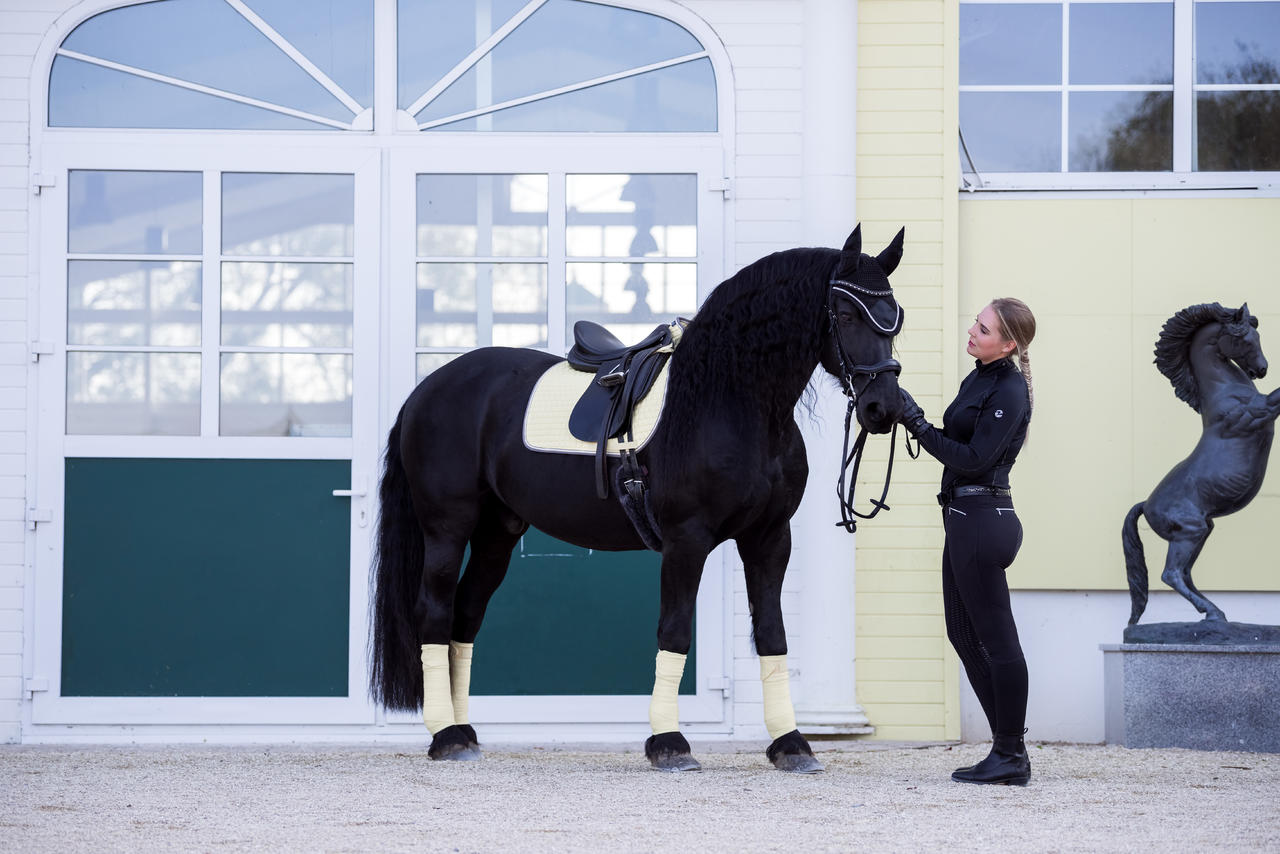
(153, 213)
(1010, 44)
(1121, 43)
(629, 299)
(288, 214)
(435, 35)
(562, 43)
(286, 305)
(428, 362)
(1238, 131)
(450, 295)
(1121, 131)
(208, 43)
(147, 394)
(133, 303)
(1012, 131)
(84, 95)
(677, 99)
(1237, 43)
(447, 305)
(285, 394)
(485, 215)
(622, 216)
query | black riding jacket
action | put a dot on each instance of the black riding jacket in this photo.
(983, 429)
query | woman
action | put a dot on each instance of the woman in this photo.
(983, 429)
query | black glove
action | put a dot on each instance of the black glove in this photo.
(912, 416)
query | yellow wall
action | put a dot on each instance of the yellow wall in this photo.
(907, 172)
(1102, 275)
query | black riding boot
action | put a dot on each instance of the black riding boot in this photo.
(1006, 765)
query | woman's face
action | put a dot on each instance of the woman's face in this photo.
(986, 339)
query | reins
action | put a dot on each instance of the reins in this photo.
(849, 514)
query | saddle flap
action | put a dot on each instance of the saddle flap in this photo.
(604, 410)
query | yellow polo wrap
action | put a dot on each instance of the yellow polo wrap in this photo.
(664, 714)
(460, 678)
(779, 714)
(437, 699)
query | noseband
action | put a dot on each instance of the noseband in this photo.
(886, 319)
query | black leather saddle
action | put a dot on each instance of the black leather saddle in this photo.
(624, 375)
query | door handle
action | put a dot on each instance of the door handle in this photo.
(359, 489)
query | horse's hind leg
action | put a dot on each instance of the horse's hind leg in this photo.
(764, 557)
(1177, 570)
(444, 545)
(492, 542)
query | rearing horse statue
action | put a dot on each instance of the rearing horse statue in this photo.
(1211, 355)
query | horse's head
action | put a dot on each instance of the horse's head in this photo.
(864, 318)
(1238, 342)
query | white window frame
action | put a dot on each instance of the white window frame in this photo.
(1184, 89)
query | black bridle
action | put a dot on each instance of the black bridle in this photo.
(889, 327)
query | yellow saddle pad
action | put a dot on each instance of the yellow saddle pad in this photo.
(546, 420)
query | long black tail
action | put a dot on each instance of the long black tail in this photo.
(1135, 563)
(395, 678)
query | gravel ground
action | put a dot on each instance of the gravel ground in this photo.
(589, 798)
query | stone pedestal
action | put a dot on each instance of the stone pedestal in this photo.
(1204, 697)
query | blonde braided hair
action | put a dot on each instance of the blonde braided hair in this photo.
(1018, 324)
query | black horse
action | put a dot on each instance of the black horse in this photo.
(1212, 355)
(726, 462)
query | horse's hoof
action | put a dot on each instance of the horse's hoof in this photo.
(456, 743)
(675, 762)
(458, 753)
(669, 751)
(798, 763)
(791, 752)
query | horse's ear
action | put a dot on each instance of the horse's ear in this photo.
(853, 246)
(850, 255)
(892, 253)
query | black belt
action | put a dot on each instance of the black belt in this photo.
(946, 496)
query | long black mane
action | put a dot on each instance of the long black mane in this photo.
(761, 329)
(1173, 348)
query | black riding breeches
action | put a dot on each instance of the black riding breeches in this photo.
(983, 537)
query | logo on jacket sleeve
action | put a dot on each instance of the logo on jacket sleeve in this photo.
(999, 413)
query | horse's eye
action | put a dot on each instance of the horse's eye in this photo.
(846, 317)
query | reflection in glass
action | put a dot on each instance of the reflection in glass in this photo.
(428, 362)
(1238, 131)
(450, 298)
(447, 305)
(1121, 131)
(208, 43)
(135, 394)
(482, 215)
(1121, 43)
(285, 394)
(288, 214)
(1019, 44)
(676, 99)
(84, 95)
(1012, 131)
(631, 216)
(561, 44)
(286, 305)
(629, 299)
(152, 213)
(1237, 42)
(133, 303)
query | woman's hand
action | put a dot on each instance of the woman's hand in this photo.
(912, 416)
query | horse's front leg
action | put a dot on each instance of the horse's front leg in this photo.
(764, 557)
(683, 558)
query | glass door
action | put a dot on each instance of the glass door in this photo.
(208, 398)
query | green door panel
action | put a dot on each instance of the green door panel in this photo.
(568, 620)
(211, 577)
